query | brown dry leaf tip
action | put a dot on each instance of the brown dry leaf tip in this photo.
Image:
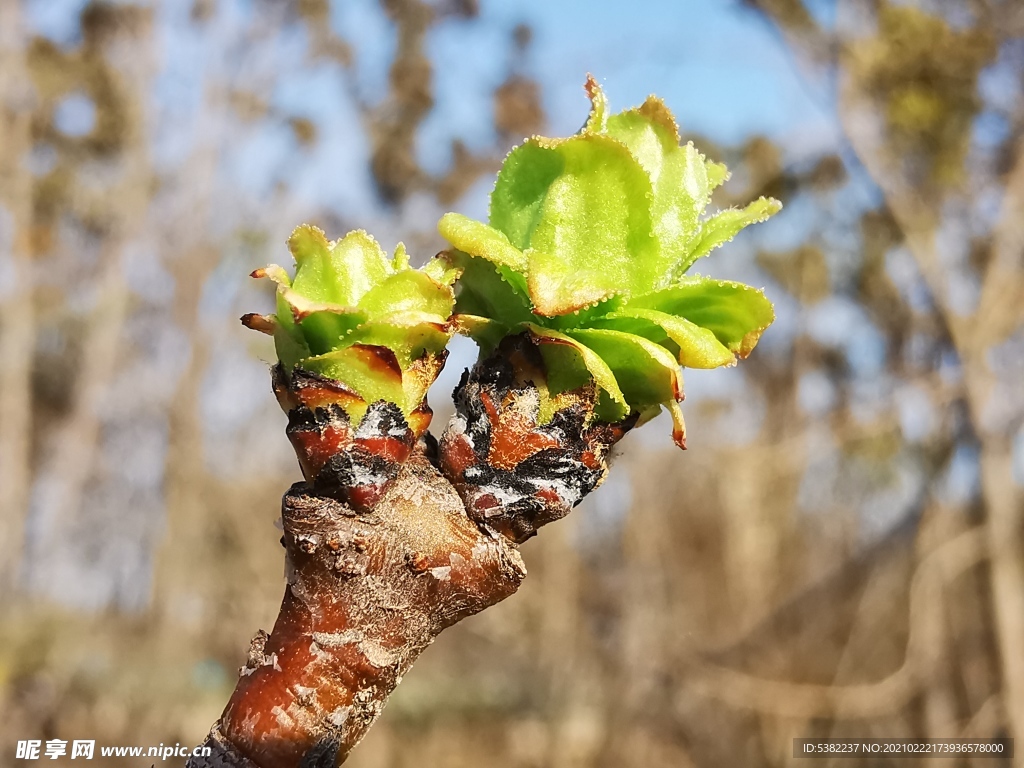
(262, 323)
(748, 343)
(658, 112)
(678, 425)
(679, 438)
(513, 473)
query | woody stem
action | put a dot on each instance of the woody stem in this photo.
(389, 544)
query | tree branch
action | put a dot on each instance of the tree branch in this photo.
(382, 554)
(17, 308)
(852, 702)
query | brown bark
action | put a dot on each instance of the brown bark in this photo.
(367, 592)
(382, 554)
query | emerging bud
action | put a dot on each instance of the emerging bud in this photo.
(586, 249)
(370, 329)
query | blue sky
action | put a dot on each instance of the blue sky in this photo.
(717, 65)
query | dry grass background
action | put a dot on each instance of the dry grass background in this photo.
(839, 553)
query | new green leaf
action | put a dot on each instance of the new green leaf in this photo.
(586, 247)
(373, 325)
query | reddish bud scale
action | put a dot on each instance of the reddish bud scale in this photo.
(388, 543)
(514, 437)
(513, 473)
(358, 462)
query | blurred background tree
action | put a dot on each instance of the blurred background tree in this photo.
(839, 553)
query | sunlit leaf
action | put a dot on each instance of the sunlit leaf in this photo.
(678, 176)
(480, 240)
(587, 241)
(339, 272)
(373, 372)
(698, 346)
(408, 291)
(724, 226)
(566, 357)
(735, 313)
(645, 372)
(581, 208)
(484, 331)
(352, 315)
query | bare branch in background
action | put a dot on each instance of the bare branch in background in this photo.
(120, 141)
(854, 702)
(938, 67)
(855, 484)
(17, 296)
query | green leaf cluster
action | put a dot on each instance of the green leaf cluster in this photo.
(372, 324)
(587, 247)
